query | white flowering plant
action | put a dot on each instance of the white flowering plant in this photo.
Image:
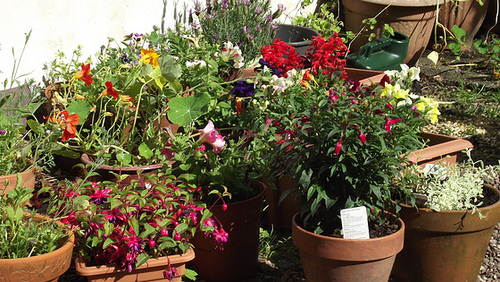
(441, 187)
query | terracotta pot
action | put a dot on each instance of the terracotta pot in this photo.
(445, 245)
(151, 270)
(468, 15)
(281, 208)
(337, 259)
(414, 19)
(9, 182)
(439, 148)
(46, 267)
(365, 76)
(105, 171)
(239, 258)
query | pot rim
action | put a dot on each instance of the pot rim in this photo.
(85, 158)
(356, 250)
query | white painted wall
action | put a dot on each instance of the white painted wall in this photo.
(65, 24)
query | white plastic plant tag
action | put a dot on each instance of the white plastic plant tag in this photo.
(355, 223)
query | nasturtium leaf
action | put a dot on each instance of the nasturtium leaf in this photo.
(170, 68)
(145, 152)
(80, 107)
(184, 110)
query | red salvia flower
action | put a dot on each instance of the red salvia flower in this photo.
(281, 56)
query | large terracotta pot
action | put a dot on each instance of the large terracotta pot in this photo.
(347, 260)
(445, 245)
(414, 19)
(46, 267)
(239, 257)
(468, 15)
(151, 270)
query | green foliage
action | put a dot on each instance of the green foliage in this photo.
(344, 144)
(325, 22)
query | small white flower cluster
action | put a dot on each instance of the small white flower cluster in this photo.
(231, 52)
(400, 90)
(406, 76)
(194, 63)
(280, 84)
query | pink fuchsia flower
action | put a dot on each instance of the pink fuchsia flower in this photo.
(115, 215)
(170, 273)
(390, 122)
(338, 147)
(220, 236)
(210, 135)
(99, 196)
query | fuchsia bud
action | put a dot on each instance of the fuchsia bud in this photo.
(177, 237)
(338, 147)
(224, 207)
(362, 137)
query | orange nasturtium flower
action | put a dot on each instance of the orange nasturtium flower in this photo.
(109, 91)
(126, 98)
(83, 75)
(67, 121)
(149, 57)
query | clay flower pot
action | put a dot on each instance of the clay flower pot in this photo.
(414, 19)
(239, 257)
(46, 267)
(468, 15)
(105, 170)
(9, 182)
(151, 270)
(439, 148)
(445, 245)
(347, 260)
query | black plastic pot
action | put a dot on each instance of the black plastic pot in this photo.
(296, 36)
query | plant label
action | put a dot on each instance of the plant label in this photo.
(355, 223)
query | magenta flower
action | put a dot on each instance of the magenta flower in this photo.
(99, 196)
(220, 236)
(210, 135)
(170, 273)
(114, 216)
(390, 122)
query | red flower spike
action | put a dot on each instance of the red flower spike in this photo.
(83, 75)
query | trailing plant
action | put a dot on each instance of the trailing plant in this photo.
(127, 224)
